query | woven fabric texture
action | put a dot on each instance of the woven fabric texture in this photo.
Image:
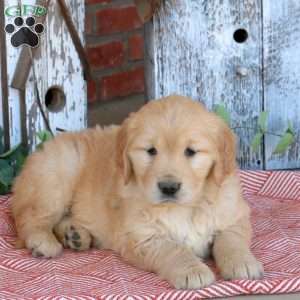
(274, 198)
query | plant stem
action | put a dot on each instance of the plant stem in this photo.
(252, 128)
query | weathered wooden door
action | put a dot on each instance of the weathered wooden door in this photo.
(240, 53)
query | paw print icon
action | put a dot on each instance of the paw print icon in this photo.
(24, 32)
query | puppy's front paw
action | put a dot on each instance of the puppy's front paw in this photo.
(47, 250)
(241, 266)
(194, 277)
(44, 245)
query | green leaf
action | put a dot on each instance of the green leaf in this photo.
(222, 112)
(20, 160)
(17, 160)
(262, 121)
(1, 140)
(6, 173)
(11, 163)
(39, 146)
(1, 146)
(3, 189)
(10, 152)
(286, 140)
(256, 141)
(290, 128)
(44, 135)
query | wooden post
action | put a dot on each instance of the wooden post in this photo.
(281, 57)
(4, 117)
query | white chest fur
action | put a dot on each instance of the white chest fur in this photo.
(192, 227)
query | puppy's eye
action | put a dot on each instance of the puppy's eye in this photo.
(152, 151)
(189, 152)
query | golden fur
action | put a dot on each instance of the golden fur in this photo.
(100, 187)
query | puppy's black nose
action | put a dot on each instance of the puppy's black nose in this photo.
(169, 188)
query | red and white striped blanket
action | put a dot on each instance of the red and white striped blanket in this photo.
(275, 201)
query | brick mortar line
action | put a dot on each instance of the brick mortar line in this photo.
(99, 74)
(128, 63)
(95, 105)
(94, 39)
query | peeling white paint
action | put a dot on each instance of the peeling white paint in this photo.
(190, 50)
(12, 55)
(1, 96)
(282, 76)
(57, 64)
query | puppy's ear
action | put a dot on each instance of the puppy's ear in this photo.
(122, 158)
(226, 154)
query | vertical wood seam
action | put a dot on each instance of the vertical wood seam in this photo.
(263, 146)
(4, 83)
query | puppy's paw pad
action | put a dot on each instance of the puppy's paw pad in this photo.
(242, 267)
(77, 239)
(193, 278)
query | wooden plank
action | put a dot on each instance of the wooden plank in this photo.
(1, 82)
(150, 66)
(2, 57)
(192, 52)
(14, 109)
(57, 64)
(281, 36)
(4, 115)
(23, 122)
(22, 70)
(75, 39)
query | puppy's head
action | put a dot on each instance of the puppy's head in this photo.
(172, 147)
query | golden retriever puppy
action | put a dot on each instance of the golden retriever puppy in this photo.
(162, 190)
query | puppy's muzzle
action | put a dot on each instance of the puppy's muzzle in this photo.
(169, 188)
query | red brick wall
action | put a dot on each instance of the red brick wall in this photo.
(114, 41)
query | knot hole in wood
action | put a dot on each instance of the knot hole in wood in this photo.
(55, 99)
(240, 35)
